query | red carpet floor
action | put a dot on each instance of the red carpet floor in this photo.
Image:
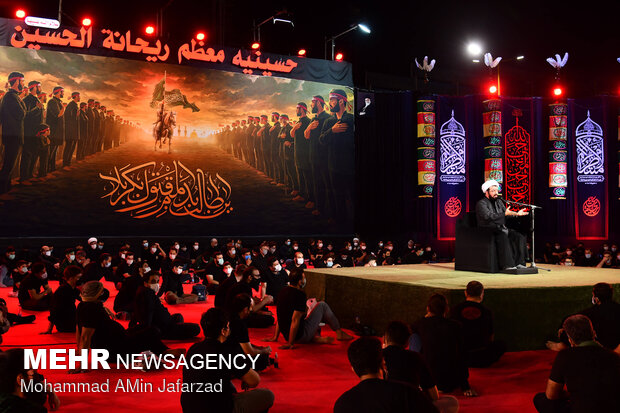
(310, 377)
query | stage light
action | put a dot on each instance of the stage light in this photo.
(20, 14)
(149, 30)
(86, 22)
(557, 91)
(520, 57)
(474, 49)
(339, 57)
(200, 36)
(255, 46)
(301, 52)
(476, 60)
(364, 28)
(492, 89)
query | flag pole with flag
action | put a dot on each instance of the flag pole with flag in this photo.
(173, 97)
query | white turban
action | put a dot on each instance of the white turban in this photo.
(488, 184)
(92, 239)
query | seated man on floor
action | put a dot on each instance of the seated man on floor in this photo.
(250, 281)
(477, 321)
(407, 366)
(239, 310)
(216, 328)
(276, 278)
(373, 394)
(605, 317)
(296, 324)
(34, 292)
(150, 312)
(441, 344)
(590, 373)
(62, 309)
(172, 285)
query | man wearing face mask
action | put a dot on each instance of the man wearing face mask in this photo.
(51, 263)
(298, 262)
(195, 252)
(276, 277)
(260, 261)
(155, 256)
(62, 306)
(329, 261)
(231, 255)
(91, 251)
(345, 258)
(214, 273)
(144, 251)
(125, 269)
(12, 115)
(296, 324)
(606, 261)
(337, 135)
(172, 286)
(588, 259)
(96, 270)
(150, 312)
(68, 260)
(55, 118)
(8, 263)
(34, 292)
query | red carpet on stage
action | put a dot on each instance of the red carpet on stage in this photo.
(310, 378)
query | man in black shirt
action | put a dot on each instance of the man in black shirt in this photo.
(216, 329)
(95, 271)
(62, 308)
(150, 312)
(407, 366)
(34, 292)
(246, 283)
(172, 286)
(477, 321)
(442, 347)
(274, 137)
(373, 394)
(590, 373)
(296, 324)
(301, 147)
(318, 156)
(12, 114)
(337, 135)
(491, 213)
(276, 278)
(32, 120)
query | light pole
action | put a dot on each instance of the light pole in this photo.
(332, 39)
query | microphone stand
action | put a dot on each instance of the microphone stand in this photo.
(533, 208)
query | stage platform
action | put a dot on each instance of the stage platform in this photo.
(527, 309)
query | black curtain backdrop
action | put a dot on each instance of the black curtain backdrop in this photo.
(387, 205)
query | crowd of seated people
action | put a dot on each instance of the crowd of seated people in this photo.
(606, 256)
(418, 365)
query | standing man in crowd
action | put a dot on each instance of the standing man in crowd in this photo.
(32, 120)
(56, 120)
(13, 114)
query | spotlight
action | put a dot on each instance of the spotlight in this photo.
(493, 89)
(20, 14)
(474, 49)
(557, 91)
(339, 57)
(364, 28)
(149, 30)
(200, 36)
(86, 22)
(520, 57)
(476, 60)
(301, 52)
(255, 46)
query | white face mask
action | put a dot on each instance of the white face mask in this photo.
(107, 264)
(228, 270)
(72, 257)
(23, 270)
(48, 253)
(11, 256)
(145, 245)
(176, 246)
(300, 261)
(320, 245)
(278, 268)
(44, 276)
(363, 247)
(147, 269)
(329, 264)
(123, 256)
(220, 261)
(233, 251)
(195, 247)
(100, 247)
(288, 242)
(94, 246)
(153, 250)
(129, 262)
(154, 287)
(588, 255)
(173, 256)
(179, 270)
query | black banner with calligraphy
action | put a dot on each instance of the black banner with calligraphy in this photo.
(137, 148)
(455, 129)
(588, 120)
(105, 42)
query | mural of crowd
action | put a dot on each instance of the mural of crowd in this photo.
(313, 159)
(36, 130)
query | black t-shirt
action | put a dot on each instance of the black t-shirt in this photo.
(276, 282)
(95, 272)
(237, 288)
(382, 396)
(9, 403)
(125, 299)
(222, 291)
(477, 322)
(217, 272)
(108, 333)
(290, 300)
(62, 308)
(592, 377)
(171, 282)
(201, 402)
(443, 351)
(30, 282)
(238, 331)
(407, 366)
(606, 322)
(149, 311)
